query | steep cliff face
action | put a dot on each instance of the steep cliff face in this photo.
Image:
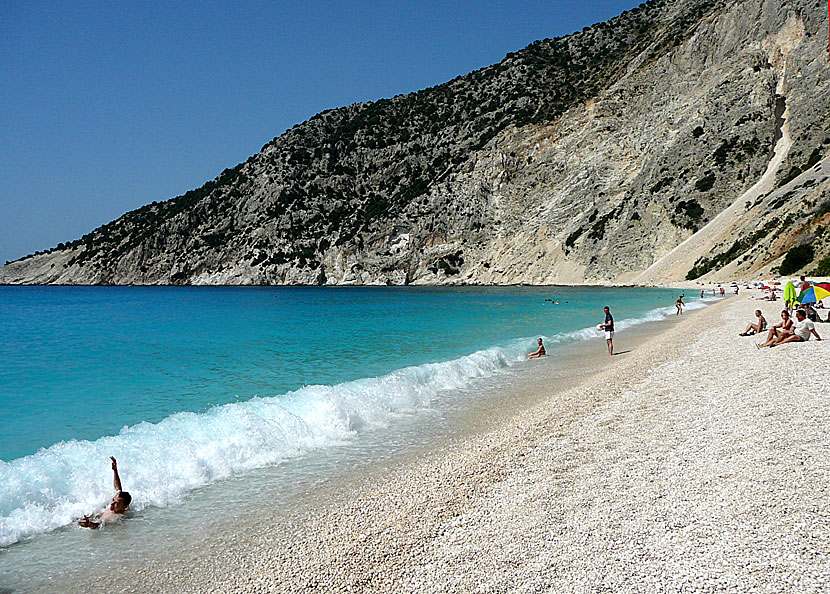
(588, 158)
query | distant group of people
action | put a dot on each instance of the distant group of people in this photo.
(720, 290)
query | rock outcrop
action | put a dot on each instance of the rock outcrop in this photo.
(682, 139)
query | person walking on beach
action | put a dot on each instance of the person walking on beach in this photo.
(608, 326)
(679, 305)
(540, 352)
(119, 504)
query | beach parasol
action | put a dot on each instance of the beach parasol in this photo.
(813, 294)
(789, 293)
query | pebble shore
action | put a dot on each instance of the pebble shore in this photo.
(693, 463)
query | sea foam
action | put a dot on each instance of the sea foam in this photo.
(161, 461)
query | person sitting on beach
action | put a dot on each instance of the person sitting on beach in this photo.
(781, 329)
(608, 326)
(120, 503)
(679, 305)
(755, 328)
(801, 332)
(540, 352)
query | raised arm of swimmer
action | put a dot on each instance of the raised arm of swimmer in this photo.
(116, 480)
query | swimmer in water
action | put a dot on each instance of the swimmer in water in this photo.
(540, 352)
(119, 504)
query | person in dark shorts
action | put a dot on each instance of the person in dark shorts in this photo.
(608, 327)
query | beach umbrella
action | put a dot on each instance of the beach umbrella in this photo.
(789, 293)
(813, 294)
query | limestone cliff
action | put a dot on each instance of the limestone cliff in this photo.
(681, 139)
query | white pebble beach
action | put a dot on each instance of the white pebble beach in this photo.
(693, 463)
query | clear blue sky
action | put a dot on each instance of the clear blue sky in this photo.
(105, 106)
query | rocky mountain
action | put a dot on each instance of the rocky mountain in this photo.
(681, 139)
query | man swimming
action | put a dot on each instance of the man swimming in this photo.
(119, 504)
(540, 352)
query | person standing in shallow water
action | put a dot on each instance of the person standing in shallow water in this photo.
(119, 504)
(679, 304)
(608, 326)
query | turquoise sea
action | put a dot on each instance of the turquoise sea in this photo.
(188, 386)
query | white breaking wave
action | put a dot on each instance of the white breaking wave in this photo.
(159, 462)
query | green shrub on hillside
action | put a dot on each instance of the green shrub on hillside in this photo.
(797, 258)
(822, 268)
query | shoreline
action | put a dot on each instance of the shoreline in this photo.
(524, 507)
(666, 285)
(476, 423)
(480, 365)
(568, 493)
